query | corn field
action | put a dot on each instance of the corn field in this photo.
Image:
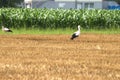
(59, 18)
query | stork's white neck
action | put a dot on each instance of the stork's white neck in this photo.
(2, 27)
(78, 27)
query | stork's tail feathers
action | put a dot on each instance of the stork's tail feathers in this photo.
(10, 31)
(71, 38)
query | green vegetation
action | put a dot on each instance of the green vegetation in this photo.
(60, 21)
(10, 3)
(60, 18)
(62, 31)
(40, 31)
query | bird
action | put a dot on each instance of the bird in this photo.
(76, 34)
(5, 29)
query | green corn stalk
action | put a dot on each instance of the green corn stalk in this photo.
(60, 18)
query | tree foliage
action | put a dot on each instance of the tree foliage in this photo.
(9, 3)
(118, 1)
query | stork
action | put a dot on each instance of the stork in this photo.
(5, 29)
(76, 34)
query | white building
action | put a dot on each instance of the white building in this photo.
(80, 4)
(28, 3)
(68, 4)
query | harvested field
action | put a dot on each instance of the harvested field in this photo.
(56, 57)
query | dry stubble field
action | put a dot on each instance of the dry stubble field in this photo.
(56, 57)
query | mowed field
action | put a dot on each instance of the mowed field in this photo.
(56, 57)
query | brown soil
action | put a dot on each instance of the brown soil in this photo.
(56, 57)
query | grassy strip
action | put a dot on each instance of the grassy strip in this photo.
(102, 31)
(62, 31)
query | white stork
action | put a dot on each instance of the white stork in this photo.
(6, 29)
(76, 34)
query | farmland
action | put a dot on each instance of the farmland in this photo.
(40, 47)
(56, 57)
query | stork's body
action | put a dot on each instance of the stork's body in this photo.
(76, 34)
(6, 29)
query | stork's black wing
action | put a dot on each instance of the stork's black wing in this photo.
(9, 30)
(73, 36)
